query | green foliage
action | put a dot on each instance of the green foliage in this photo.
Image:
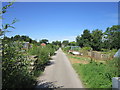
(15, 65)
(43, 41)
(66, 49)
(112, 37)
(86, 48)
(37, 73)
(98, 75)
(23, 38)
(51, 49)
(76, 49)
(4, 28)
(85, 39)
(43, 54)
(97, 39)
(58, 43)
(72, 43)
(105, 50)
(110, 52)
(34, 50)
(81, 58)
(65, 42)
(4, 8)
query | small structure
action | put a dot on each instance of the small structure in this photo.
(43, 44)
(26, 45)
(74, 50)
(117, 54)
(74, 47)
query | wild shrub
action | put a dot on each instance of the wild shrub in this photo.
(15, 72)
(43, 55)
(86, 48)
(66, 49)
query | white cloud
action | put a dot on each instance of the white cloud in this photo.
(61, 38)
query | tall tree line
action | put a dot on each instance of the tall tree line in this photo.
(98, 40)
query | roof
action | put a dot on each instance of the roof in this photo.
(43, 44)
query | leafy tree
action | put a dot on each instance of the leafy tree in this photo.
(7, 38)
(25, 38)
(34, 42)
(112, 37)
(85, 39)
(72, 43)
(97, 39)
(17, 37)
(79, 41)
(58, 43)
(65, 42)
(43, 41)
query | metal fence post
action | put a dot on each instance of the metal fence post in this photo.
(116, 83)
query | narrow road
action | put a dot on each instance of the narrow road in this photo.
(59, 74)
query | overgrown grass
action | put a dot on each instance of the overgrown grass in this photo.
(110, 52)
(80, 58)
(97, 75)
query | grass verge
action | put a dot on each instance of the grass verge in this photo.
(95, 74)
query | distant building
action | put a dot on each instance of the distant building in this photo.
(74, 50)
(74, 47)
(26, 45)
(43, 44)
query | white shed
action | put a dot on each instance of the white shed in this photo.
(117, 54)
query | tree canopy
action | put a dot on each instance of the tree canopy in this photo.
(110, 39)
(65, 42)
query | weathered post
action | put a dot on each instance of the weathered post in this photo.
(116, 83)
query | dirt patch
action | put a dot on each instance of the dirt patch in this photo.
(78, 56)
(73, 60)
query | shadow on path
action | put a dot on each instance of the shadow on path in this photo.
(45, 84)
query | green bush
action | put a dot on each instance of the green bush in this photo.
(34, 50)
(51, 49)
(86, 48)
(111, 53)
(66, 49)
(15, 72)
(76, 49)
(43, 55)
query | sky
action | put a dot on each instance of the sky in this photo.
(60, 20)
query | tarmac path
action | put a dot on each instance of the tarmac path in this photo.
(59, 74)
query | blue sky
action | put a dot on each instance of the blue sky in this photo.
(60, 20)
